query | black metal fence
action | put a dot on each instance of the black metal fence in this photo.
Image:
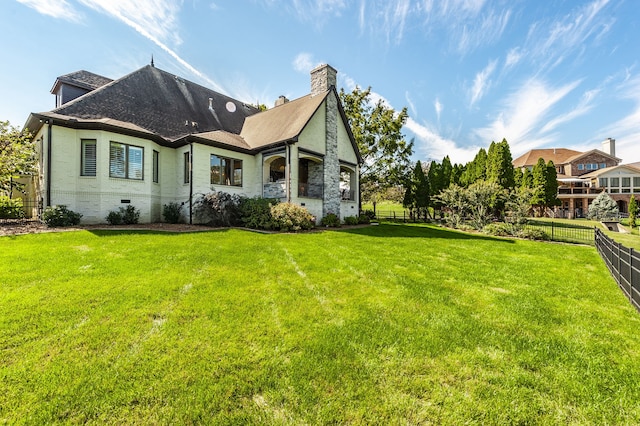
(564, 232)
(624, 265)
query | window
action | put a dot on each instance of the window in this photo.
(626, 182)
(187, 167)
(603, 182)
(592, 166)
(88, 157)
(226, 171)
(580, 166)
(615, 182)
(156, 169)
(603, 165)
(126, 161)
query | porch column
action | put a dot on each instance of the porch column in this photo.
(572, 213)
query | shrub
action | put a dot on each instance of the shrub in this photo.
(532, 234)
(114, 218)
(172, 212)
(370, 214)
(255, 212)
(330, 220)
(364, 219)
(291, 217)
(125, 215)
(218, 208)
(10, 208)
(350, 220)
(60, 216)
(499, 229)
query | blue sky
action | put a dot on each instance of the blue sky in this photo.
(541, 74)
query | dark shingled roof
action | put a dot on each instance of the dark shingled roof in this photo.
(84, 79)
(161, 103)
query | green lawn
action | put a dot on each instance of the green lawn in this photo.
(389, 324)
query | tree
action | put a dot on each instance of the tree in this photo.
(500, 164)
(540, 174)
(455, 199)
(377, 131)
(633, 211)
(17, 156)
(527, 179)
(603, 207)
(482, 198)
(417, 195)
(551, 186)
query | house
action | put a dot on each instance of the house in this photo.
(150, 138)
(582, 176)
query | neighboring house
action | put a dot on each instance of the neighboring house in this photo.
(584, 175)
(150, 138)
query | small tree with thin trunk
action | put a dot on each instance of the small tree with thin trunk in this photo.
(603, 207)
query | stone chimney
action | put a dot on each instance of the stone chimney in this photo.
(281, 100)
(609, 146)
(323, 77)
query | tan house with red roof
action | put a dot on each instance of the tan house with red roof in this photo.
(151, 137)
(584, 175)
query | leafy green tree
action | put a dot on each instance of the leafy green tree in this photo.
(483, 197)
(17, 156)
(436, 181)
(603, 207)
(456, 173)
(455, 198)
(517, 177)
(417, 194)
(633, 211)
(377, 130)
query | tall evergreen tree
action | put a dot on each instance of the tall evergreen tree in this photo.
(499, 165)
(417, 195)
(539, 179)
(437, 184)
(551, 186)
(527, 179)
(633, 211)
(447, 170)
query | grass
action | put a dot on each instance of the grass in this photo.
(381, 325)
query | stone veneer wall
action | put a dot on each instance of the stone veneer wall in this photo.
(323, 78)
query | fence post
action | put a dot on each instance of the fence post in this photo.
(552, 230)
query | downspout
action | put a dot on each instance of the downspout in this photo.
(191, 183)
(49, 134)
(288, 147)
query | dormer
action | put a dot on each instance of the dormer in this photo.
(71, 86)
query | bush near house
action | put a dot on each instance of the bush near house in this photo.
(291, 217)
(57, 216)
(218, 208)
(331, 220)
(10, 208)
(255, 213)
(172, 212)
(124, 216)
(351, 220)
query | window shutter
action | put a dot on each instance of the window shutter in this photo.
(88, 158)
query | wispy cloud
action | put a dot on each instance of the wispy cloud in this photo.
(523, 113)
(431, 146)
(551, 43)
(385, 17)
(626, 130)
(584, 106)
(513, 57)
(60, 9)
(317, 12)
(304, 62)
(438, 107)
(469, 24)
(412, 106)
(482, 82)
